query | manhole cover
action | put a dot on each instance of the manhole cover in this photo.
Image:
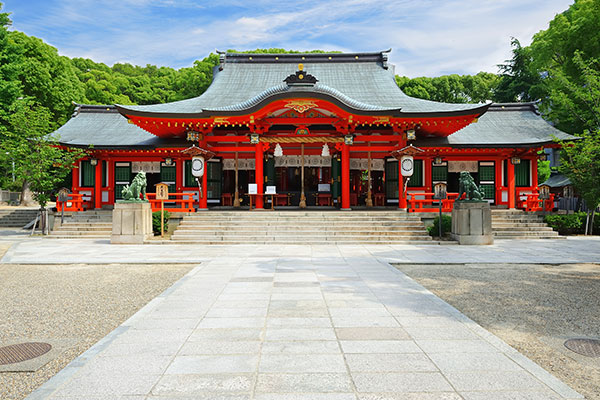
(22, 352)
(585, 347)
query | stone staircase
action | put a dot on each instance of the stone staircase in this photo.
(301, 227)
(17, 217)
(95, 224)
(518, 224)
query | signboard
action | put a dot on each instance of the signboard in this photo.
(252, 188)
(162, 191)
(63, 195)
(271, 190)
(544, 192)
(324, 187)
(440, 191)
(197, 166)
(407, 165)
(460, 166)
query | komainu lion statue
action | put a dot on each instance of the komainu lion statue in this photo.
(467, 185)
(138, 186)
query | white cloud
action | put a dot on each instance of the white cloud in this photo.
(429, 37)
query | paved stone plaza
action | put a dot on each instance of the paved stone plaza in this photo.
(301, 322)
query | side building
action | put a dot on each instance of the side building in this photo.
(340, 115)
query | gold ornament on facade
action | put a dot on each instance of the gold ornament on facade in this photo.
(300, 106)
(221, 120)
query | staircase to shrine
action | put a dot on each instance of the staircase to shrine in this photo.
(301, 227)
(17, 217)
(95, 224)
(518, 224)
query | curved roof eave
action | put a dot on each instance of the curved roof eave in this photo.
(323, 92)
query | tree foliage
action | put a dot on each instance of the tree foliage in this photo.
(518, 80)
(565, 55)
(39, 163)
(451, 88)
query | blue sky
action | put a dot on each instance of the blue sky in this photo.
(428, 37)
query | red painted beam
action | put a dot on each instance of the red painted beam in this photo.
(372, 148)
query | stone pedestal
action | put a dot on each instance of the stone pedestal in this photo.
(131, 223)
(472, 223)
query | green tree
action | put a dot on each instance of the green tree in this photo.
(580, 163)
(570, 46)
(40, 164)
(451, 88)
(518, 80)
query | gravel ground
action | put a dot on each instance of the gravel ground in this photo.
(534, 308)
(79, 302)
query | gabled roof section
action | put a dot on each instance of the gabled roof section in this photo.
(102, 127)
(361, 82)
(504, 124)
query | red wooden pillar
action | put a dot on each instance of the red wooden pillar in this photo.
(534, 172)
(98, 186)
(427, 164)
(401, 195)
(111, 181)
(258, 172)
(179, 174)
(75, 178)
(345, 177)
(498, 180)
(510, 179)
(203, 203)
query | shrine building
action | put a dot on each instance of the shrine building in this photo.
(322, 125)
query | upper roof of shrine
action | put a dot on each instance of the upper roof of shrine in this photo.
(504, 125)
(360, 83)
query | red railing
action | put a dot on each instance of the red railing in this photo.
(183, 201)
(533, 203)
(426, 202)
(75, 203)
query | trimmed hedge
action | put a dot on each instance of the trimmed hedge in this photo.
(156, 222)
(571, 224)
(434, 230)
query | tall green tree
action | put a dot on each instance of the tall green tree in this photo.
(570, 46)
(451, 88)
(39, 163)
(519, 81)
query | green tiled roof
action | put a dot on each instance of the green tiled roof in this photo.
(360, 80)
(504, 125)
(102, 126)
(510, 124)
(556, 181)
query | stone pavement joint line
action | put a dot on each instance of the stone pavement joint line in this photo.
(301, 328)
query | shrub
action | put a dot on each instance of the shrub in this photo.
(566, 224)
(156, 222)
(570, 224)
(446, 225)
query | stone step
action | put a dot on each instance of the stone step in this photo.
(527, 237)
(526, 233)
(252, 240)
(523, 229)
(307, 219)
(297, 224)
(234, 242)
(298, 235)
(512, 223)
(84, 224)
(55, 236)
(80, 233)
(83, 229)
(276, 228)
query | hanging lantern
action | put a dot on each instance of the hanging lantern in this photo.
(278, 151)
(325, 152)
